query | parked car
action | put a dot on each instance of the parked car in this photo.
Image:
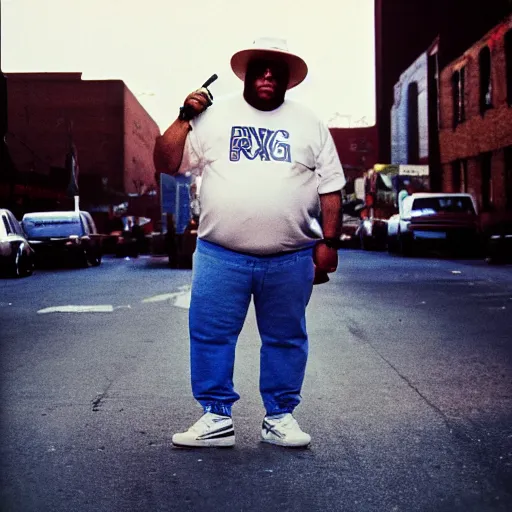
(498, 242)
(16, 255)
(68, 236)
(443, 221)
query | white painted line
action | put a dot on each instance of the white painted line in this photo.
(183, 300)
(78, 309)
(180, 299)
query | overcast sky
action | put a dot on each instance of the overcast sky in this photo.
(163, 49)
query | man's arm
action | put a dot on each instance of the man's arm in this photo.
(332, 214)
(169, 147)
(326, 257)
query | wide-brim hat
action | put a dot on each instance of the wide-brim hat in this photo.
(273, 49)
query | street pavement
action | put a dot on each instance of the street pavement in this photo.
(408, 393)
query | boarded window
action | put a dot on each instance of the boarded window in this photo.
(455, 97)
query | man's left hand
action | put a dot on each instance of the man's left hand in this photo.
(325, 258)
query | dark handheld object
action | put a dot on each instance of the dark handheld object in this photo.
(186, 111)
(210, 81)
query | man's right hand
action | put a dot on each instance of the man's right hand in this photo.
(197, 102)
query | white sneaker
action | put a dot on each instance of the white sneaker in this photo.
(284, 431)
(211, 430)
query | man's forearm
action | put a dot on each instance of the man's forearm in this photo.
(169, 147)
(332, 214)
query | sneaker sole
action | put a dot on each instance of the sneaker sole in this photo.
(207, 443)
(285, 445)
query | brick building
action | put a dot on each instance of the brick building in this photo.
(113, 135)
(405, 29)
(475, 112)
(357, 149)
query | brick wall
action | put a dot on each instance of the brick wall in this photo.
(357, 149)
(478, 134)
(40, 109)
(140, 132)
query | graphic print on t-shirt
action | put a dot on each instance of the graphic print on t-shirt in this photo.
(259, 142)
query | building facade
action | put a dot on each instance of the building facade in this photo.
(404, 29)
(475, 112)
(113, 136)
(409, 115)
(357, 149)
(414, 116)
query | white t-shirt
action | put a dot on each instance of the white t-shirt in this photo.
(261, 175)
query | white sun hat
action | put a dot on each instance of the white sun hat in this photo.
(273, 49)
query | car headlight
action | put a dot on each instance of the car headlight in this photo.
(73, 240)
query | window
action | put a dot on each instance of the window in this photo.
(455, 96)
(460, 176)
(413, 137)
(53, 226)
(445, 203)
(7, 226)
(484, 60)
(508, 64)
(458, 93)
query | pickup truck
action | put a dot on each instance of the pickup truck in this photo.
(435, 221)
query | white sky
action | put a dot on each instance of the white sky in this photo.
(163, 49)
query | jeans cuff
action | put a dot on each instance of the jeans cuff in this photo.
(275, 409)
(218, 408)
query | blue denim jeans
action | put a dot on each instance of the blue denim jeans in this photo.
(223, 283)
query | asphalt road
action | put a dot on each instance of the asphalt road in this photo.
(408, 394)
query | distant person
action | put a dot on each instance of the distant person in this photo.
(269, 229)
(138, 235)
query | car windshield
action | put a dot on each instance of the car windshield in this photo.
(448, 204)
(52, 227)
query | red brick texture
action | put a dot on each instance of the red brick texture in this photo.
(113, 134)
(478, 134)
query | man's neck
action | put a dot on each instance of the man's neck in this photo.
(263, 105)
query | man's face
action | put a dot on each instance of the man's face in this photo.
(268, 79)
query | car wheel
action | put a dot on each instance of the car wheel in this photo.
(406, 246)
(84, 260)
(392, 245)
(28, 267)
(96, 260)
(23, 264)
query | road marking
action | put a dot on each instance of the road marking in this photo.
(102, 308)
(180, 299)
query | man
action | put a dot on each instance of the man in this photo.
(269, 226)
